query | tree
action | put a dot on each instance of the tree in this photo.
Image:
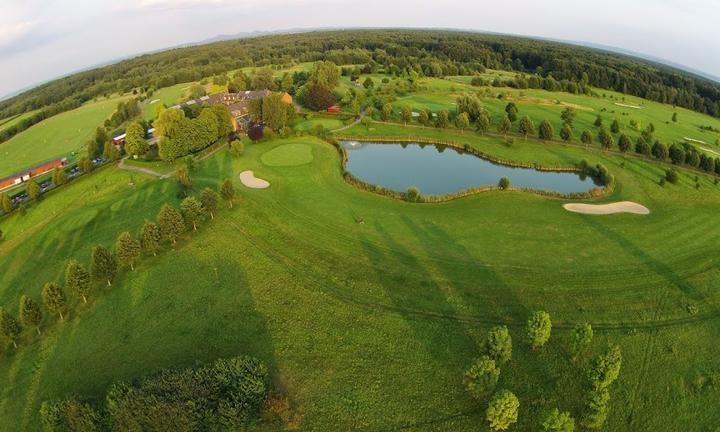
(504, 183)
(606, 140)
(659, 150)
(183, 176)
(674, 118)
(568, 116)
(127, 250)
(605, 368)
(412, 194)
(504, 126)
(318, 97)
(526, 127)
(566, 133)
(85, 164)
(677, 154)
(9, 327)
(598, 121)
(443, 119)
(263, 79)
(545, 131)
(110, 152)
(77, 279)
(59, 177)
(170, 223)
(624, 143)
(150, 237)
(103, 264)
(471, 105)
(192, 211)
(483, 122)
(538, 329)
(325, 73)
(274, 112)
(498, 344)
(502, 410)
(557, 421)
(53, 298)
(406, 114)
(387, 111)
(368, 83)
(33, 189)
(482, 377)
(586, 137)
(224, 120)
(6, 203)
(30, 313)
(70, 415)
(615, 127)
(582, 336)
(672, 176)
(512, 111)
(463, 121)
(642, 147)
(424, 117)
(209, 200)
(227, 191)
(135, 142)
(168, 123)
(596, 408)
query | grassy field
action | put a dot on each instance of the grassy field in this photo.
(167, 95)
(370, 326)
(58, 136)
(309, 124)
(10, 121)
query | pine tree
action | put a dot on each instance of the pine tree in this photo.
(53, 298)
(483, 122)
(566, 133)
(209, 200)
(545, 131)
(586, 137)
(77, 279)
(127, 250)
(504, 126)
(9, 327)
(227, 190)
(103, 265)
(150, 238)
(170, 223)
(192, 211)
(526, 127)
(615, 127)
(30, 313)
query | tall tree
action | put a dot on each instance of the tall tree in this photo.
(463, 121)
(33, 189)
(498, 344)
(406, 114)
(545, 131)
(443, 119)
(192, 211)
(110, 152)
(482, 377)
(183, 176)
(77, 279)
(59, 177)
(53, 298)
(9, 327)
(483, 122)
(598, 121)
(103, 264)
(526, 127)
(580, 340)
(387, 111)
(586, 137)
(568, 116)
(6, 203)
(127, 250)
(502, 410)
(512, 111)
(135, 142)
(538, 329)
(227, 191)
(557, 421)
(624, 143)
(30, 313)
(170, 223)
(209, 200)
(150, 237)
(615, 126)
(566, 133)
(605, 368)
(606, 139)
(504, 126)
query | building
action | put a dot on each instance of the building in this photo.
(37, 170)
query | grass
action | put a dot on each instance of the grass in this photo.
(10, 121)
(58, 136)
(309, 124)
(371, 326)
(288, 155)
(168, 96)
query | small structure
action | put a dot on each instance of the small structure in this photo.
(119, 140)
(334, 109)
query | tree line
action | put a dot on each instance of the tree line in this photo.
(179, 135)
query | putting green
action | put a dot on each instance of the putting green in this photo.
(288, 155)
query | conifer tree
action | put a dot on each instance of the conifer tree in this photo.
(30, 313)
(33, 190)
(53, 298)
(77, 279)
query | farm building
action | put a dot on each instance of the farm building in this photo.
(25, 175)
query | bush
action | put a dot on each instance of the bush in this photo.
(69, 415)
(482, 377)
(672, 176)
(412, 194)
(504, 183)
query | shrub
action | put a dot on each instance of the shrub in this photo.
(502, 410)
(672, 176)
(504, 183)
(498, 344)
(538, 329)
(69, 415)
(482, 377)
(412, 194)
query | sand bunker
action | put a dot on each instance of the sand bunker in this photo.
(606, 209)
(628, 105)
(248, 179)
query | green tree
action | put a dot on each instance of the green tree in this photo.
(6, 203)
(406, 114)
(606, 140)
(85, 164)
(586, 138)
(325, 73)
(33, 189)
(605, 367)
(424, 117)
(582, 336)
(368, 83)
(150, 237)
(387, 111)
(539, 327)
(615, 127)
(209, 200)
(412, 194)
(9, 327)
(568, 116)
(227, 191)
(443, 119)
(263, 79)
(642, 147)
(502, 410)
(170, 223)
(53, 298)
(103, 265)
(504, 183)
(274, 112)
(498, 345)
(674, 118)
(598, 121)
(30, 313)
(557, 421)
(526, 127)
(512, 111)
(135, 142)
(483, 122)
(545, 131)
(482, 377)
(127, 250)
(168, 123)
(192, 211)
(624, 143)
(504, 126)
(183, 176)
(660, 151)
(70, 415)
(463, 121)
(77, 279)
(59, 177)
(110, 152)
(566, 133)
(596, 408)
(224, 120)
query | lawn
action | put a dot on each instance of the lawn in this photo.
(309, 124)
(60, 135)
(10, 121)
(168, 96)
(370, 326)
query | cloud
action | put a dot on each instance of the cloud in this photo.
(14, 31)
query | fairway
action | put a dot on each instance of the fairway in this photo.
(288, 155)
(58, 136)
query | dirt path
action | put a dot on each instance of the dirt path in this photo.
(121, 165)
(606, 209)
(356, 122)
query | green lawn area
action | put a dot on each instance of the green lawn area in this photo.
(370, 326)
(309, 124)
(167, 95)
(10, 121)
(159, 166)
(58, 136)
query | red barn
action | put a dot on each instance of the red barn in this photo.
(334, 109)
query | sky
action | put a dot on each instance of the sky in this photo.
(44, 39)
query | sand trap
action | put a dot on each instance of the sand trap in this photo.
(606, 209)
(694, 140)
(248, 179)
(628, 105)
(154, 101)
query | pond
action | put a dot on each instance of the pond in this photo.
(439, 170)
